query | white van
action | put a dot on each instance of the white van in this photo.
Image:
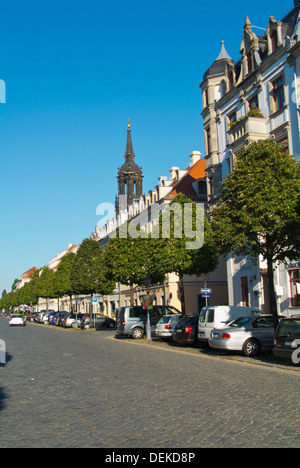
(219, 317)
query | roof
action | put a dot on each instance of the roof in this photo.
(184, 185)
(129, 166)
(28, 273)
(219, 65)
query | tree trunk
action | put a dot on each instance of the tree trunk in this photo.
(272, 294)
(131, 295)
(91, 312)
(181, 292)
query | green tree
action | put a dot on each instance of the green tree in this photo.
(258, 208)
(185, 243)
(62, 277)
(130, 259)
(88, 273)
(4, 292)
(45, 285)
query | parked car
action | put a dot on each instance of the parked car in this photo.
(59, 317)
(17, 320)
(219, 317)
(287, 332)
(98, 321)
(72, 321)
(186, 330)
(166, 325)
(247, 334)
(132, 321)
(30, 317)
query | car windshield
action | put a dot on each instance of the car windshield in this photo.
(289, 328)
(192, 319)
(240, 322)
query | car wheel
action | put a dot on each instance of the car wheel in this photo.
(111, 325)
(137, 333)
(251, 347)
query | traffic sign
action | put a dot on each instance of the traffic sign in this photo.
(95, 299)
(205, 291)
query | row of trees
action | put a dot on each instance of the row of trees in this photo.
(259, 210)
(128, 260)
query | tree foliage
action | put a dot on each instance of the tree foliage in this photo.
(89, 273)
(258, 208)
(178, 249)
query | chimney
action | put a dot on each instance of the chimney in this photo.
(195, 156)
(174, 173)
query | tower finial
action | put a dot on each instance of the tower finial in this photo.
(128, 125)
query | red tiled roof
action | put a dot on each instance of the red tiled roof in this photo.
(184, 185)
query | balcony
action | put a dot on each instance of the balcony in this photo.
(246, 131)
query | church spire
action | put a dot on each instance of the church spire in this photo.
(129, 153)
(130, 176)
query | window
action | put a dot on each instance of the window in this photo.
(208, 142)
(202, 187)
(232, 118)
(211, 186)
(284, 145)
(264, 322)
(274, 40)
(253, 103)
(210, 316)
(278, 94)
(294, 287)
(206, 97)
(244, 291)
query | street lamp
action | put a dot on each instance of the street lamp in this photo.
(147, 283)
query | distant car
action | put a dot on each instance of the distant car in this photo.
(287, 332)
(186, 330)
(166, 325)
(99, 321)
(247, 334)
(17, 321)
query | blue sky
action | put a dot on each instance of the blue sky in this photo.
(75, 71)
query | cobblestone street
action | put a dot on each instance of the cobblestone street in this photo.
(72, 388)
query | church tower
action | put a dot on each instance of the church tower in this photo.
(130, 176)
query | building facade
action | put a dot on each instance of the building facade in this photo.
(254, 98)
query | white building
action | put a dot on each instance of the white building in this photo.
(255, 98)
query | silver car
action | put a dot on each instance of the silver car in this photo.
(246, 334)
(165, 326)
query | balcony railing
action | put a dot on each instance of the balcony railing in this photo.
(246, 131)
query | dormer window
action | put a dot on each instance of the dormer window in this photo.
(274, 40)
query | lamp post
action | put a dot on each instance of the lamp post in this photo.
(147, 283)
